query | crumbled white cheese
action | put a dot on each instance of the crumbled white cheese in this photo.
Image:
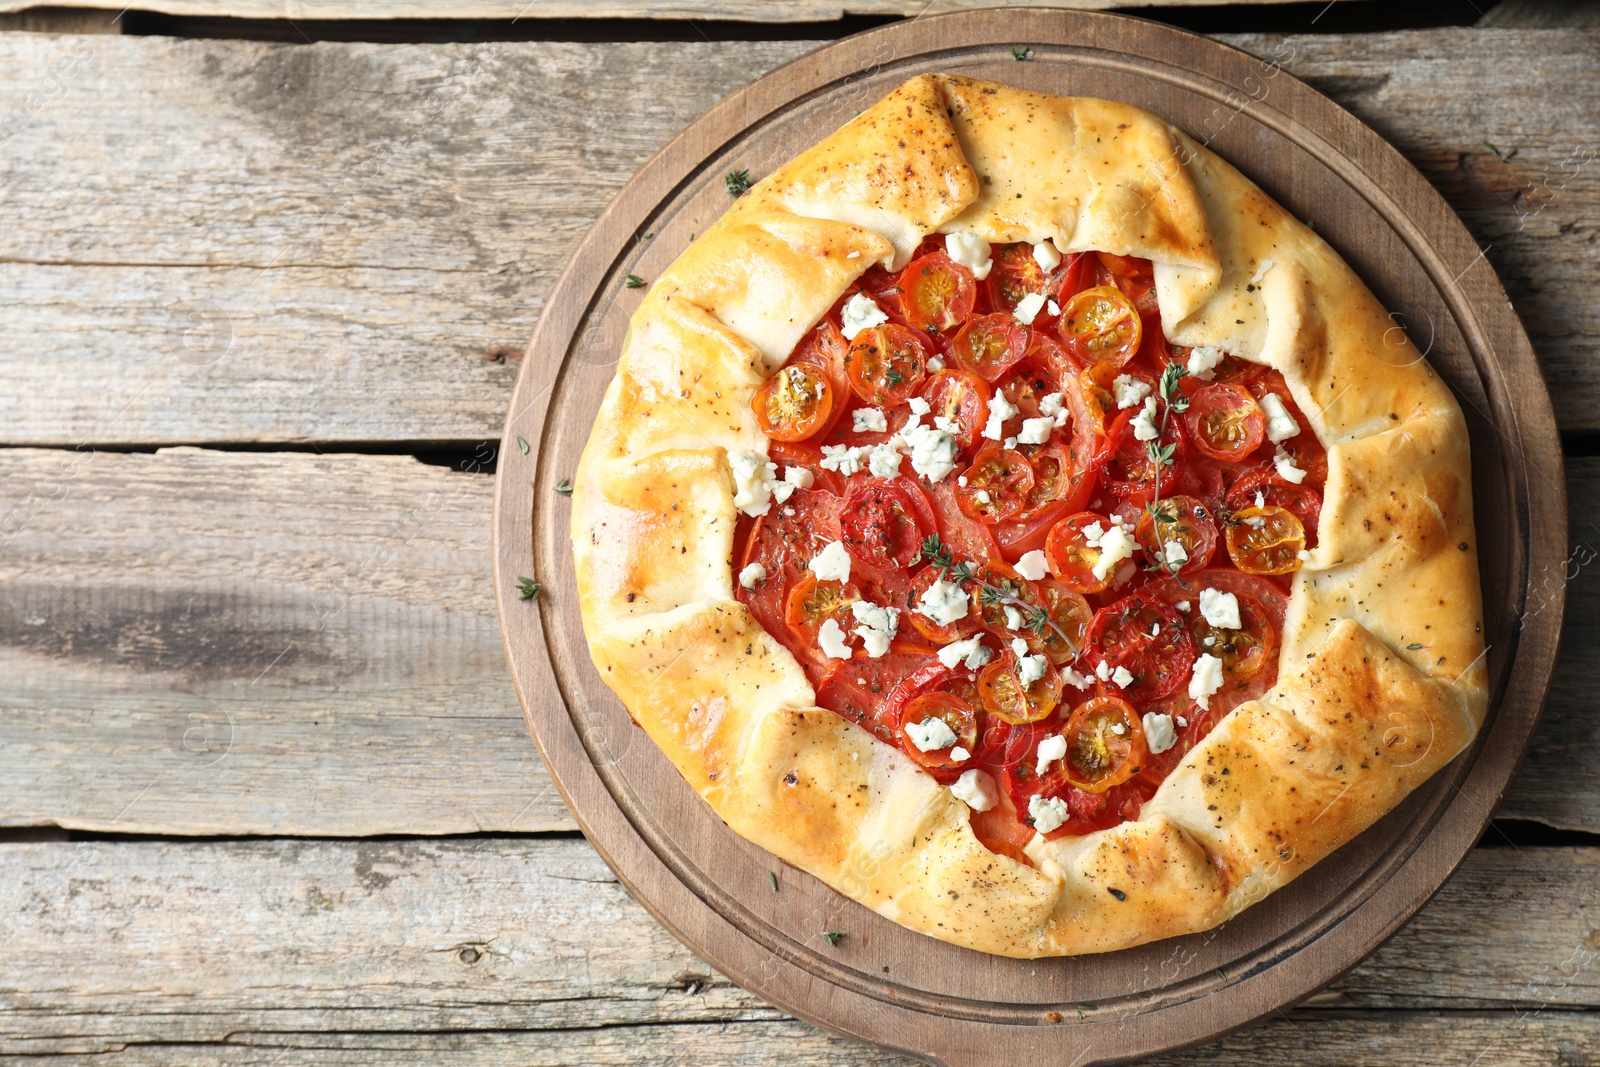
(1118, 729)
(753, 477)
(1046, 255)
(1047, 813)
(959, 755)
(1121, 677)
(971, 251)
(971, 651)
(1028, 308)
(869, 420)
(752, 574)
(1129, 391)
(1092, 534)
(1030, 669)
(1074, 679)
(943, 602)
(1013, 617)
(1286, 467)
(982, 496)
(1011, 442)
(1000, 409)
(1173, 554)
(1280, 424)
(1207, 678)
(1144, 423)
(933, 451)
(832, 564)
(1050, 749)
(1115, 546)
(931, 734)
(1032, 565)
(844, 459)
(1019, 647)
(799, 477)
(936, 364)
(919, 406)
(1220, 609)
(1102, 671)
(1158, 732)
(1203, 362)
(1054, 406)
(1036, 431)
(884, 461)
(875, 625)
(830, 638)
(1261, 272)
(859, 313)
(1052, 307)
(975, 789)
(1181, 720)
(1302, 555)
(1182, 605)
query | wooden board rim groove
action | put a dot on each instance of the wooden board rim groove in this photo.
(680, 163)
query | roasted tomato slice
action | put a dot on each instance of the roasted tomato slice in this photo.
(939, 634)
(1105, 745)
(1071, 558)
(1246, 651)
(1145, 635)
(1266, 540)
(812, 602)
(919, 721)
(1070, 615)
(1005, 696)
(1129, 471)
(1184, 521)
(1016, 273)
(968, 538)
(1304, 501)
(888, 364)
(794, 403)
(1225, 422)
(882, 526)
(859, 688)
(1101, 325)
(997, 484)
(990, 345)
(936, 293)
(963, 398)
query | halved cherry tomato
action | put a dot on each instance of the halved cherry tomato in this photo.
(1146, 635)
(1128, 469)
(1101, 325)
(998, 614)
(1070, 615)
(1126, 266)
(963, 398)
(881, 526)
(1004, 696)
(1105, 744)
(1304, 501)
(1266, 540)
(794, 403)
(998, 483)
(812, 602)
(1016, 273)
(1060, 487)
(1182, 519)
(1246, 651)
(955, 713)
(1071, 558)
(939, 634)
(989, 345)
(936, 293)
(888, 363)
(825, 347)
(1225, 422)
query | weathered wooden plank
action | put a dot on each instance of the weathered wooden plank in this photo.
(213, 642)
(198, 642)
(330, 951)
(340, 242)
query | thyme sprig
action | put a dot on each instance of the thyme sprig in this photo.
(1034, 618)
(1162, 453)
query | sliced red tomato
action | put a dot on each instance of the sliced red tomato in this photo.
(888, 363)
(1304, 501)
(785, 539)
(963, 398)
(967, 538)
(881, 526)
(1126, 266)
(1002, 831)
(1101, 325)
(1190, 723)
(1145, 635)
(1071, 558)
(1186, 589)
(936, 293)
(1225, 422)
(1183, 520)
(997, 484)
(990, 345)
(1005, 697)
(1265, 540)
(1129, 471)
(956, 714)
(786, 454)
(1060, 487)
(1105, 745)
(858, 688)
(794, 403)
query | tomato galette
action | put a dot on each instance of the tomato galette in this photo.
(1011, 516)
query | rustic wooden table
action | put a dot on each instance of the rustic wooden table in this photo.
(266, 796)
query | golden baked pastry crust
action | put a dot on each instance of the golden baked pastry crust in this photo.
(1381, 679)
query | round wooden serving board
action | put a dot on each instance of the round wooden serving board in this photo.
(880, 982)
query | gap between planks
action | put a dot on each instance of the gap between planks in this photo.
(351, 242)
(181, 659)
